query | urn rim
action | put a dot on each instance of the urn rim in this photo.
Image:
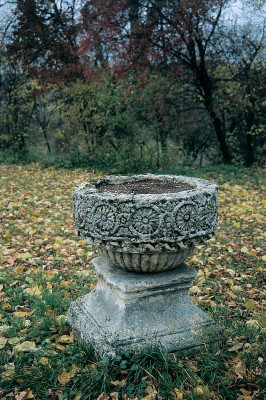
(90, 188)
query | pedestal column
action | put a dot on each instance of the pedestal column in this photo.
(130, 312)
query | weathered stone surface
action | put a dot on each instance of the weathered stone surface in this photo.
(146, 224)
(146, 262)
(132, 311)
(146, 218)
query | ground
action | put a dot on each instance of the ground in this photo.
(44, 267)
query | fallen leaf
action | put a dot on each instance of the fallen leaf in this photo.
(14, 340)
(178, 394)
(6, 306)
(244, 250)
(44, 360)
(240, 370)
(24, 347)
(103, 396)
(231, 294)
(194, 290)
(253, 324)
(250, 305)
(262, 322)
(24, 395)
(66, 339)
(236, 347)
(64, 378)
(3, 342)
(78, 396)
(20, 314)
(202, 391)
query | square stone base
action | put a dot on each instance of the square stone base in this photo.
(130, 312)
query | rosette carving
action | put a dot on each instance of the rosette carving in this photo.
(186, 217)
(145, 220)
(104, 218)
(209, 218)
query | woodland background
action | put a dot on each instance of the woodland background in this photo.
(132, 85)
(129, 86)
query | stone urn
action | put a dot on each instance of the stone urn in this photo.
(146, 223)
(144, 226)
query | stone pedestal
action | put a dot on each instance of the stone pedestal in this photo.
(130, 312)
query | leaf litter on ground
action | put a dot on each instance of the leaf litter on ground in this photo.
(44, 267)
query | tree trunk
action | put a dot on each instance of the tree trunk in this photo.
(221, 137)
(46, 140)
(249, 140)
(207, 88)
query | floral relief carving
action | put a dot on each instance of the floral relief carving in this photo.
(104, 218)
(145, 220)
(186, 217)
(149, 219)
(210, 216)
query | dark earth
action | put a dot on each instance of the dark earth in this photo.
(145, 186)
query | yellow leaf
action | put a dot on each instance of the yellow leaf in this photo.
(14, 340)
(262, 322)
(194, 290)
(150, 389)
(250, 305)
(231, 294)
(253, 324)
(24, 395)
(50, 275)
(103, 396)
(20, 314)
(44, 360)
(8, 373)
(78, 396)
(178, 394)
(60, 347)
(24, 347)
(64, 378)
(3, 342)
(61, 319)
(65, 339)
(264, 258)
(202, 391)
(34, 290)
(244, 249)
(6, 306)
(73, 371)
(245, 392)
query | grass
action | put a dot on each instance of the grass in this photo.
(44, 267)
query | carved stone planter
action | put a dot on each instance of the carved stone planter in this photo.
(144, 224)
(146, 232)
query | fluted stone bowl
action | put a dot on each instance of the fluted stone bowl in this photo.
(146, 230)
